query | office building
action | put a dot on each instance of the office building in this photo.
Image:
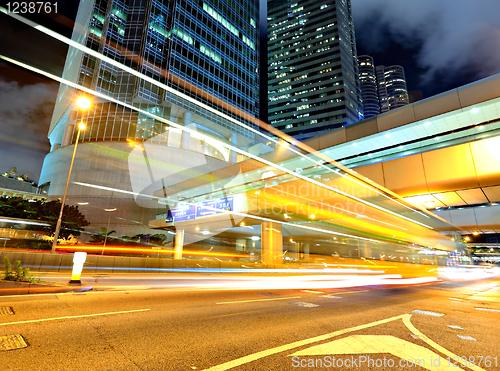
(312, 67)
(392, 89)
(382, 88)
(207, 50)
(368, 85)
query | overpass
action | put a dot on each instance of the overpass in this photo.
(413, 175)
(421, 176)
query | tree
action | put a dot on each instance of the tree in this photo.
(72, 221)
(99, 238)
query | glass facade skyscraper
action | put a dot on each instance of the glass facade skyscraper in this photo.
(189, 45)
(368, 84)
(208, 50)
(392, 89)
(313, 82)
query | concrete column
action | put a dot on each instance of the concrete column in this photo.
(306, 251)
(294, 252)
(178, 244)
(241, 245)
(366, 252)
(232, 156)
(271, 243)
(185, 136)
(68, 133)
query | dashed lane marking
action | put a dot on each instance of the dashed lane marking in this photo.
(439, 348)
(465, 337)
(249, 301)
(313, 292)
(488, 309)
(427, 313)
(304, 304)
(330, 296)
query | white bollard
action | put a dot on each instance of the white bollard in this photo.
(78, 260)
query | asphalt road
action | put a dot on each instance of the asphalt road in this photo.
(189, 328)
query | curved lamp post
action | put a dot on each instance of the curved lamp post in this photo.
(83, 103)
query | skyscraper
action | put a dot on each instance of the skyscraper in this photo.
(206, 49)
(312, 68)
(368, 84)
(392, 89)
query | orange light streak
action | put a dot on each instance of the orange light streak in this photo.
(138, 250)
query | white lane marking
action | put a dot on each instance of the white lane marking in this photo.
(296, 344)
(466, 337)
(439, 348)
(313, 292)
(455, 327)
(70, 317)
(352, 292)
(304, 304)
(488, 309)
(427, 313)
(249, 301)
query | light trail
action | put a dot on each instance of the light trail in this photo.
(173, 91)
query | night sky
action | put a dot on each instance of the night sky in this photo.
(442, 44)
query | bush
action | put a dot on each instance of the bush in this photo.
(8, 274)
(18, 273)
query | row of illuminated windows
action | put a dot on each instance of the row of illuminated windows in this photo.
(206, 50)
(220, 19)
(291, 41)
(295, 124)
(228, 44)
(303, 59)
(311, 79)
(217, 81)
(288, 23)
(228, 25)
(189, 11)
(238, 75)
(240, 5)
(308, 45)
(307, 84)
(292, 108)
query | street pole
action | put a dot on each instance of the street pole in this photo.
(81, 127)
(107, 228)
(83, 103)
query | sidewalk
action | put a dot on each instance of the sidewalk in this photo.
(24, 288)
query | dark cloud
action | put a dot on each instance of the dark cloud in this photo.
(448, 36)
(25, 112)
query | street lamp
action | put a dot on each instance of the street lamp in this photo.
(83, 103)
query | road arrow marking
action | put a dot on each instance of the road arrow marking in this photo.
(377, 344)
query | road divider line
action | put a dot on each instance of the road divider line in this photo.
(313, 292)
(249, 301)
(71, 317)
(296, 344)
(421, 336)
(349, 292)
